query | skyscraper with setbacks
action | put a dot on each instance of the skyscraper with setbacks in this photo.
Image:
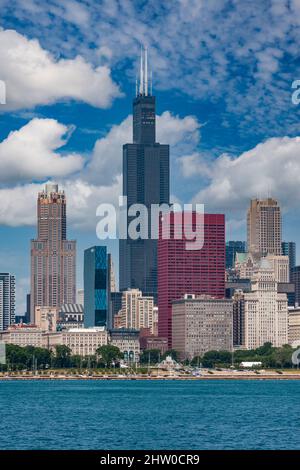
(145, 181)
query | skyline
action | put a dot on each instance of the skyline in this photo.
(205, 107)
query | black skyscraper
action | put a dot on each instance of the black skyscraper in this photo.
(145, 181)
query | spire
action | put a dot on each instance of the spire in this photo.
(141, 74)
(146, 72)
(142, 88)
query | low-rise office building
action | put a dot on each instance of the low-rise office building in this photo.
(201, 324)
(81, 341)
(84, 341)
(20, 335)
(128, 342)
(154, 342)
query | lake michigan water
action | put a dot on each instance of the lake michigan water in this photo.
(214, 414)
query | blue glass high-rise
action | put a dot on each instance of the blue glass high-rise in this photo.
(97, 287)
(289, 249)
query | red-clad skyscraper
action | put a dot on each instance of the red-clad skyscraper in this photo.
(182, 271)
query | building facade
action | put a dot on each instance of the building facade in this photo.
(295, 279)
(20, 335)
(264, 227)
(233, 247)
(261, 315)
(233, 285)
(154, 342)
(53, 257)
(128, 343)
(238, 333)
(287, 288)
(289, 249)
(280, 266)
(46, 318)
(294, 327)
(145, 181)
(136, 311)
(7, 300)
(201, 324)
(84, 341)
(71, 316)
(97, 287)
(245, 264)
(182, 271)
(116, 304)
(80, 297)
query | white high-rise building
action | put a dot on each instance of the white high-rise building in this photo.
(263, 313)
(137, 311)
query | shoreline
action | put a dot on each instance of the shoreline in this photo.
(270, 376)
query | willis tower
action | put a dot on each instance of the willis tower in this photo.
(145, 181)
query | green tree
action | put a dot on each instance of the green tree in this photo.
(150, 355)
(280, 357)
(76, 361)
(264, 350)
(16, 356)
(62, 356)
(109, 354)
(215, 358)
(41, 355)
(196, 361)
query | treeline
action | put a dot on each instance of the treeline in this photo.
(269, 356)
(108, 356)
(33, 358)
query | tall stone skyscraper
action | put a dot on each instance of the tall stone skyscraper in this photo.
(53, 257)
(145, 181)
(264, 227)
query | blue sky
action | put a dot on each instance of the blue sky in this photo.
(222, 72)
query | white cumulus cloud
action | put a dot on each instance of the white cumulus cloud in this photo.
(18, 204)
(33, 76)
(30, 153)
(270, 168)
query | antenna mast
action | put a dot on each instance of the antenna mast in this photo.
(146, 72)
(141, 74)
